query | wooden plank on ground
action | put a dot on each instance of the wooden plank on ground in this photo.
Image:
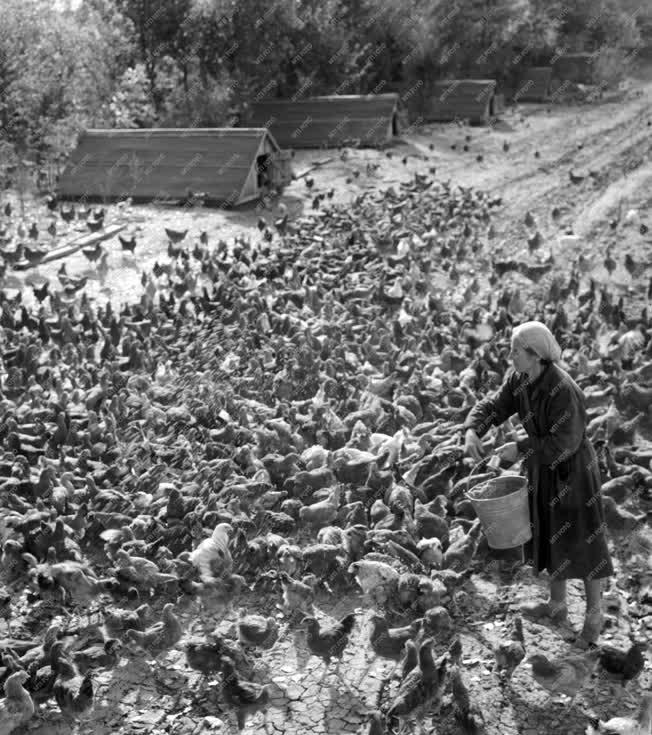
(81, 242)
(315, 164)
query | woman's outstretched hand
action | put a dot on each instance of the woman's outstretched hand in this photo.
(473, 445)
(508, 452)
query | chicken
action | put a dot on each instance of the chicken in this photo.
(459, 554)
(17, 706)
(322, 513)
(430, 552)
(205, 655)
(245, 697)
(159, 637)
(564, 676)
(437, 623)
(212, 557)
(328, 641)
(118, 621)
(298, 595)
(72, 692)
(376, 724)
(140, 571)
(510, 653)
(423, 687)
(389, 642)
(5, 607)
(41, 655)
(620, 521)
(466, 713)
(619, 488)
(257, 631)
(104, 656)
(642, 725)
(410, 658)
(375, 578)
(323, 560)
(429, 525)
(626, 665)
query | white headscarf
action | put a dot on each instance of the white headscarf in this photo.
(538, 338)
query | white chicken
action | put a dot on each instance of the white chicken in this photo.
(374, 576)
(212, 557)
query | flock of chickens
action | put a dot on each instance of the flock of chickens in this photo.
(291, 430)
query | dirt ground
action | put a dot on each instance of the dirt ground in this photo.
(613, 140)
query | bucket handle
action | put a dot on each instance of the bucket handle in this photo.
(475, 468)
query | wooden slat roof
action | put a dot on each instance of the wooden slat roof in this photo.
(162, 162)
(452, 99)
(327, 120)
(574, 67)
(534, 84)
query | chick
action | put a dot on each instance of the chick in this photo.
(510, 653)
(245, 697)
(564, 676)
(17, 706)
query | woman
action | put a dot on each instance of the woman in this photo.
(566, 512)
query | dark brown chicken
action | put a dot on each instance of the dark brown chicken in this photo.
(389, 642)
(245, 697)
(72, 691)
(626, 665)
(100, 656)
(118, 621)
(204, 655)
(329, 641)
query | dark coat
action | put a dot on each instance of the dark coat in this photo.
(566, 513)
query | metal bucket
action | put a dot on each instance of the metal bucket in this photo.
(502, 507)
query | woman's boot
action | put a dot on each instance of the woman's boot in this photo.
(555, 608)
